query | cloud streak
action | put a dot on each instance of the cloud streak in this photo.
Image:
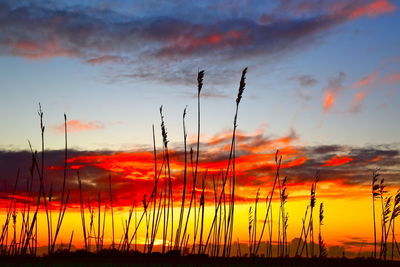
(367, 80)
(74, 126)
(335, 86)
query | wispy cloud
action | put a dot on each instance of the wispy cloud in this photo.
(367, 80)
(356, 102)
(105, 59)
(391, 79)
(335, 86)
(78, 126)
(367, 84)
(305, 80)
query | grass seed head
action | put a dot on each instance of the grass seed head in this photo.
(200, 76)
(321, 213)
(241, 86)
(163, 129)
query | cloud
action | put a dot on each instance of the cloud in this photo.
(337, 161)
(305, 80)
(367, 80)
(341, 167)
(44, 50)
(356, 103)
(335, 86)
(78, 126)
(160, 37)
(391, 79)
(328, 100)
(105, 59)
(373, 9)
(363, 84)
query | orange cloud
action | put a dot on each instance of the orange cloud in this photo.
(133, 165)
(337, 161)
(367, 80)
(373, 9)
(391, 78)
(358, 98)
(78, 126)
(376, 159)
(329, 100)
(31, 50)
(296, 162)
(334, 87)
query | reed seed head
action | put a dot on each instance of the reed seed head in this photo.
(241, 86)
(163, 129)
(312, 193)
(321, 213)
(184, 112)
(386, 210)
(200, 76)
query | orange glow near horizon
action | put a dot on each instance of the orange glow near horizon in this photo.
(336, 230)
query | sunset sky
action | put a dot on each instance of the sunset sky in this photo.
(323, 87)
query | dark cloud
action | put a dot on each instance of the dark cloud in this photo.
(150, 44)
(305, 80)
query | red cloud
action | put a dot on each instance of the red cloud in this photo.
(133, 165)
(187, 43)
(373, 9)
(133, 172)
(78, 126)
(208, 40)
(337, 161)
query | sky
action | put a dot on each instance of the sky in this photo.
(323, 87)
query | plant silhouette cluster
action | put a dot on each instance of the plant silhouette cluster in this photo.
(155, 212)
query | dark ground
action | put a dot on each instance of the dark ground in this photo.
(156, 259)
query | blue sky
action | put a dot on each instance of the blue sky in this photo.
(110, 65)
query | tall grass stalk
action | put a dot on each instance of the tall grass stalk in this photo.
(63, 202)
(82, 209)
(112, 213)
(231, 211)
(321, 243)
(200, 77)
(269, 201)
(178, 230)
(375, 194)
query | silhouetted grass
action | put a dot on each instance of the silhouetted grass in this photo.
(157, 212)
